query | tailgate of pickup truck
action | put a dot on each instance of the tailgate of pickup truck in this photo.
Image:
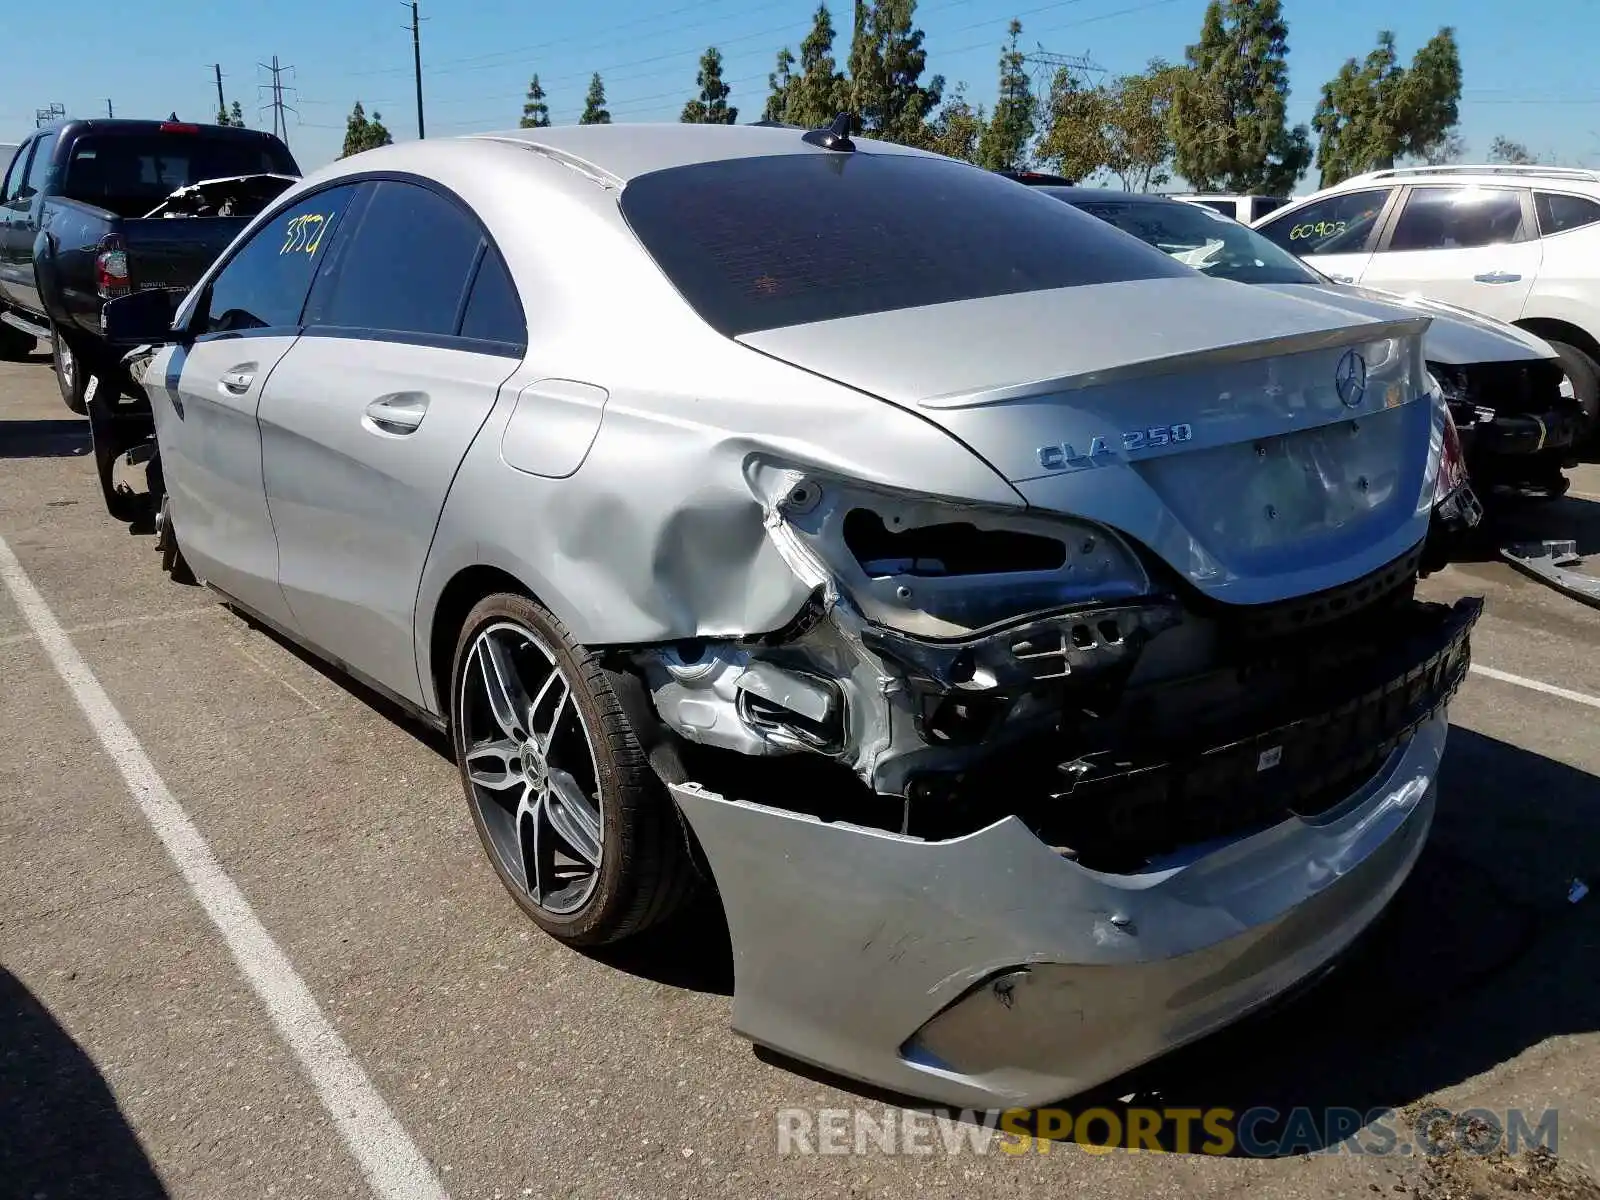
(173, 252)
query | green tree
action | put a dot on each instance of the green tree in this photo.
(1229, 108)
(886, 65)
(819, 92)
(1138, 126)
(1451, 148)
(1515, 154)
(237, 116)
(594, 104)
(1076, 116)
(957, 128)
(780, 85)
(535, 112)
(1003, 145)
(1376, 111)
(711, 106)
(361, 133)
(222, 116)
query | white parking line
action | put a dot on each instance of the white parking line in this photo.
(394, 1167)
(1535, 685)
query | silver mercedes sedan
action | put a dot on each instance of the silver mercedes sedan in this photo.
(1013, 626)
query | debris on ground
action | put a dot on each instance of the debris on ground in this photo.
(1460, 1174)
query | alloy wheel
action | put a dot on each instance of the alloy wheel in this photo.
(531, 768)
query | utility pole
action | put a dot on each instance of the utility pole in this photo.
(222, 104)
(416, 57)
(46, 116)
(280, 123)
(110, 112)
(1081, 65)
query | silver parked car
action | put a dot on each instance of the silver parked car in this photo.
(1015, 625)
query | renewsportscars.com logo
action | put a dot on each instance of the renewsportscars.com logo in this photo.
(1260, 1132)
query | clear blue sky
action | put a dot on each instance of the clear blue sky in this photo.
(1535, 81)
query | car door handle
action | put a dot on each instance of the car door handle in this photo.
(398, 414)
(1497, 277)
(237, 382)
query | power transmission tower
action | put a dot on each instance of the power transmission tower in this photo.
(280, 123)
(44, 116)
(416, 56)
(1046, 61)
(222, 104)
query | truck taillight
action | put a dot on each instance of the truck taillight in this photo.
(1452, 461)
(111, 268)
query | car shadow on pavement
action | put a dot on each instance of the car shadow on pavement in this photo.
(65, 438)
(1480, 957)
(61, 1132)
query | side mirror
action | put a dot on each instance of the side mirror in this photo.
(141, 317)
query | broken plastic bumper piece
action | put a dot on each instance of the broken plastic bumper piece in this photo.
(1552, 562)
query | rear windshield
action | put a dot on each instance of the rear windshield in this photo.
(760, 243)
(124, 172)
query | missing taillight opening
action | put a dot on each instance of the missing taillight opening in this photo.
(954, 548)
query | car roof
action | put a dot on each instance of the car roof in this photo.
(625, 151)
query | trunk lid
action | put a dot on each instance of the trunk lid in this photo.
(1263, 445)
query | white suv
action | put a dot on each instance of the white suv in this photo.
(1521, 244)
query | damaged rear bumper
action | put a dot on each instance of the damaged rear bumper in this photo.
(990, 969)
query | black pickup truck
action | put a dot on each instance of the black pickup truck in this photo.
(93, 210)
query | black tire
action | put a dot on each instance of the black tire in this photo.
(172, 560)
(71, 377)
(106, 446)
(14, 344)
(1584, 374)
(645, 872)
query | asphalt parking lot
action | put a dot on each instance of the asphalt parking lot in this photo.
(138, 1057)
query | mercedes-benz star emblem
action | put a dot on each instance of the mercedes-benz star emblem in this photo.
(1350, 379)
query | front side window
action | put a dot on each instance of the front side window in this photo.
(38, 166)
(1458, 218)
(264, 285)
(1336, 225)
(1559, 213)
(788, 239)
(15, 172)
(405, 266)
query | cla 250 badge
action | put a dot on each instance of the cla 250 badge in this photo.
(1065, 457)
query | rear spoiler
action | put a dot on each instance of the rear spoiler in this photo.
(1244, 351)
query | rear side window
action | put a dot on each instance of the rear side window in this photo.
(1457, 218)
(405, 267)
(1262, 205)
(264, 285)
(1337, 225)
(760, 243)
(1227, 208)
(494, 314)
(1559, 213)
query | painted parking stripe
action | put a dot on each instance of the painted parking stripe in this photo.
(394, 1167)
(1536, 685)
